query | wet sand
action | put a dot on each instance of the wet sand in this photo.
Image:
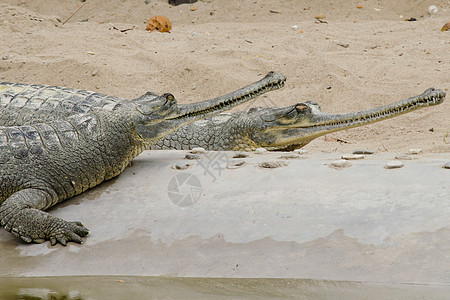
(125, 287)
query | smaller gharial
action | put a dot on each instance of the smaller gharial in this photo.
(42, 164)
(281, 129)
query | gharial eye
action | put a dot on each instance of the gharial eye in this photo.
(301, 107)
(169, 97)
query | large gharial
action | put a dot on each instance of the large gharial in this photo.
(50, 160)
(285, 128)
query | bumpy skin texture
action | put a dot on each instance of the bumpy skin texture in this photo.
(219, 133)
(47, 163)
(22, 104)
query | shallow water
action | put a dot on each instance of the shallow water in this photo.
(125, 287)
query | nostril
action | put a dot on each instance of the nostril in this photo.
(271, 73)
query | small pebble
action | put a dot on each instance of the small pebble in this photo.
(260, 151)
(273, 164)
(94, 72)
(394, 164)
(192, 156)
(415, 151)
(181, 166)
(235, 165)
(404, 157)
(432, 9)
(362, 151)
(300, 151)
(240, 155)
(339, 164)
(352, 156)
(447, 165)
(199, 150)
(345, 45)
(290, 156)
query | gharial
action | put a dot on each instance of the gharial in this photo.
(285, 128)
(46, 162)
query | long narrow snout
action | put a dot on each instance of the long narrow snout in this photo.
(189, 113)
(199, 110)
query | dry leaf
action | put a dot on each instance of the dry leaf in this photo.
(446, 27)
(160, 23)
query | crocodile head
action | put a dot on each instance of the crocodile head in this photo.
(154, 107)
(177, 116)
(293, 127)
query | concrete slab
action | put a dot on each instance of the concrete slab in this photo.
(303, 219)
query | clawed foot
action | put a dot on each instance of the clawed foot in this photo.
(60, 232)
(73, 232)
(19, 216)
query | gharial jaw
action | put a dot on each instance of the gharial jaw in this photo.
(189, 113)
(272, 81)
(305, 121)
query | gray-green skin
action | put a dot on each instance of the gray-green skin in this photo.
(42, 164)
(283, 129)
(23, 104)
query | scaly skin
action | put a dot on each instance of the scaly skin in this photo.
(46, 163)
(238, 131)
(23, 104)
(286, 128)
(42, 164)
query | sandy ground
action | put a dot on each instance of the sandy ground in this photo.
(218, 46)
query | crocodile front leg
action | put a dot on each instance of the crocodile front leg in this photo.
(21, 214)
